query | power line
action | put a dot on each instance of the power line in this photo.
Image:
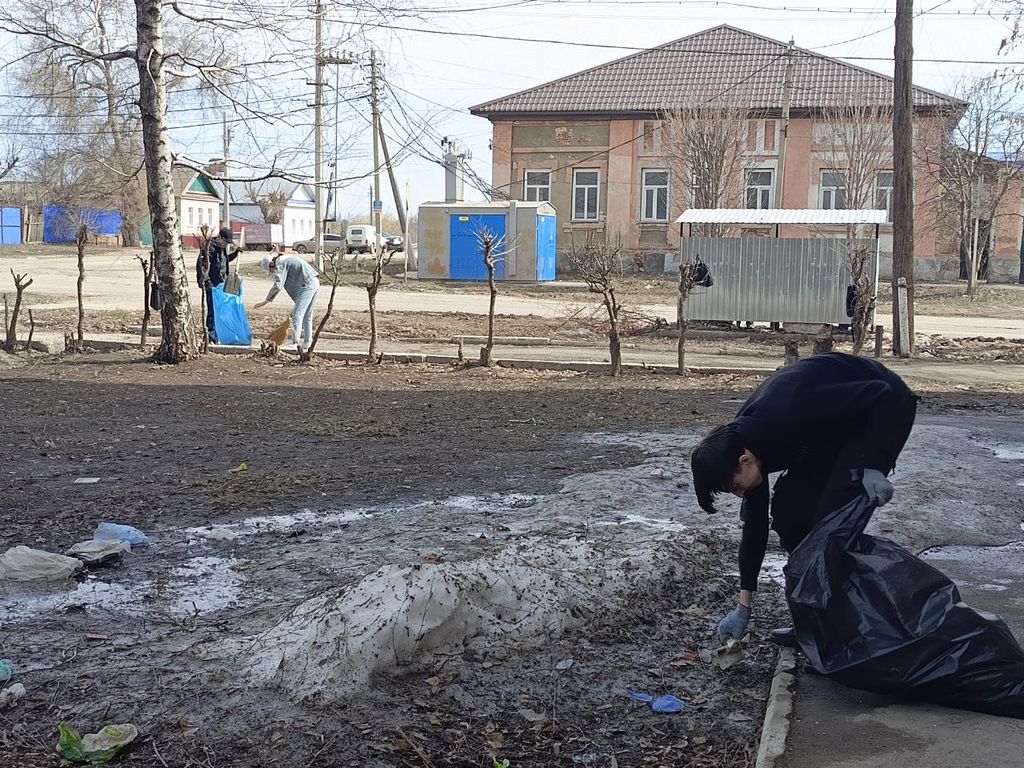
(669, 46)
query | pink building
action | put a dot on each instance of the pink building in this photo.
(591, 144)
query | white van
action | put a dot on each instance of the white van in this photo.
(362, 238)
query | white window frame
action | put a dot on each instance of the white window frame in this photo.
(887, 190)
(594, 189)
(200, 210)
(536, 188)
(651, 190)
(827, 195)
(765, 192)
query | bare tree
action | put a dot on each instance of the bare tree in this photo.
(492, 251)
(8, 161)
(147, 282)
(688, 275)
(704, 144)
(269, 197)
(203, 275)
(979, 167)
(597, 263)
(380, 261)
(81, 239)
(858, 150)
(20, 284)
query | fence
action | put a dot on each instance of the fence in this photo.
(770, 280)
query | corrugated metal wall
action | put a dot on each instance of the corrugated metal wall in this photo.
(770, 280)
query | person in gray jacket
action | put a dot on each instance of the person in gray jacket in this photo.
(301, 282)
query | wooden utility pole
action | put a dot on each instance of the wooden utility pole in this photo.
(402, 218)
(375, 110)
(903, 178)
(787, 98)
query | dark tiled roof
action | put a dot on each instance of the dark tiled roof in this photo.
(718, 64)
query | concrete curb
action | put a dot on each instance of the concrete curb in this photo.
(576, 366)
(777, 712)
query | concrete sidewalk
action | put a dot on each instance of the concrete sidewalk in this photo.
(837, 727)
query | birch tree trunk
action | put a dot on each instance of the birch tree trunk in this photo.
(178, 342)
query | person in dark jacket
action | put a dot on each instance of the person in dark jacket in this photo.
(212, 269)
(835, 425)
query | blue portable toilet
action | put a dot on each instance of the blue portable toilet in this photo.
(10, 226)
(449, 249)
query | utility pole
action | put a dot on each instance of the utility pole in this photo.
(375, 110)
(321, 60)
(394, 189)
(903, 177)
(787, 98)
(227, 188)
(318, 137)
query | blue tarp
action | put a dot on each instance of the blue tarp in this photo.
(60, 222)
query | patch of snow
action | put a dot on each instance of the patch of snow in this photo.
(336, 642)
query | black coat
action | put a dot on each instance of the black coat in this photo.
(219, 257)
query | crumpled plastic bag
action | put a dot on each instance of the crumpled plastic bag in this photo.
(95, 748)
(99, 551)
(871, 615)
(117, 532)
(23, 563)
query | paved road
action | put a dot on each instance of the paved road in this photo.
(114, 283)
(837, 727)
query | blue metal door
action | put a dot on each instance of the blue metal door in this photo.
(10, 226)
(545, 247)
(466, 262)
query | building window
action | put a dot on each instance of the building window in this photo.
(883, 192)
(758, 192)
(586, 187)
(200, 216)
(537, 186)
(654, 206)
(191, 218)
(833, 190)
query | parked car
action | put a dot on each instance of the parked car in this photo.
(362, 238)
(392, 242)
(332, 244)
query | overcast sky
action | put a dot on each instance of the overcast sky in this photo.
(434, 78)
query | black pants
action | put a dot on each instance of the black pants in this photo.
(210, 325)
(811, 490)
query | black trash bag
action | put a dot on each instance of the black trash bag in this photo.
(871, 615)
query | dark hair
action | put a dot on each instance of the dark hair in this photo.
(226, 234)
(714, 462)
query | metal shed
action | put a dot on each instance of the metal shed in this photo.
(448, 249)
(773, 279)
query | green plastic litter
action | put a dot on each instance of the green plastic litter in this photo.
(6, 670)
(95, 748)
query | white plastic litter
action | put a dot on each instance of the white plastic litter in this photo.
(99, 551)
(23, 563)
(11, 694)
(117, 532)
(217, 533)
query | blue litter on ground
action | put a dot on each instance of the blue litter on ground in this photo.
(667, 704)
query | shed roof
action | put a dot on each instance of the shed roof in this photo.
(782, 216)
(724, 61)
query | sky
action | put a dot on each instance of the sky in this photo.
(439, 64)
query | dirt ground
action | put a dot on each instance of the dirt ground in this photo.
(350, 468)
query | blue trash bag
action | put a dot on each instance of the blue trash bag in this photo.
(229, 318)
